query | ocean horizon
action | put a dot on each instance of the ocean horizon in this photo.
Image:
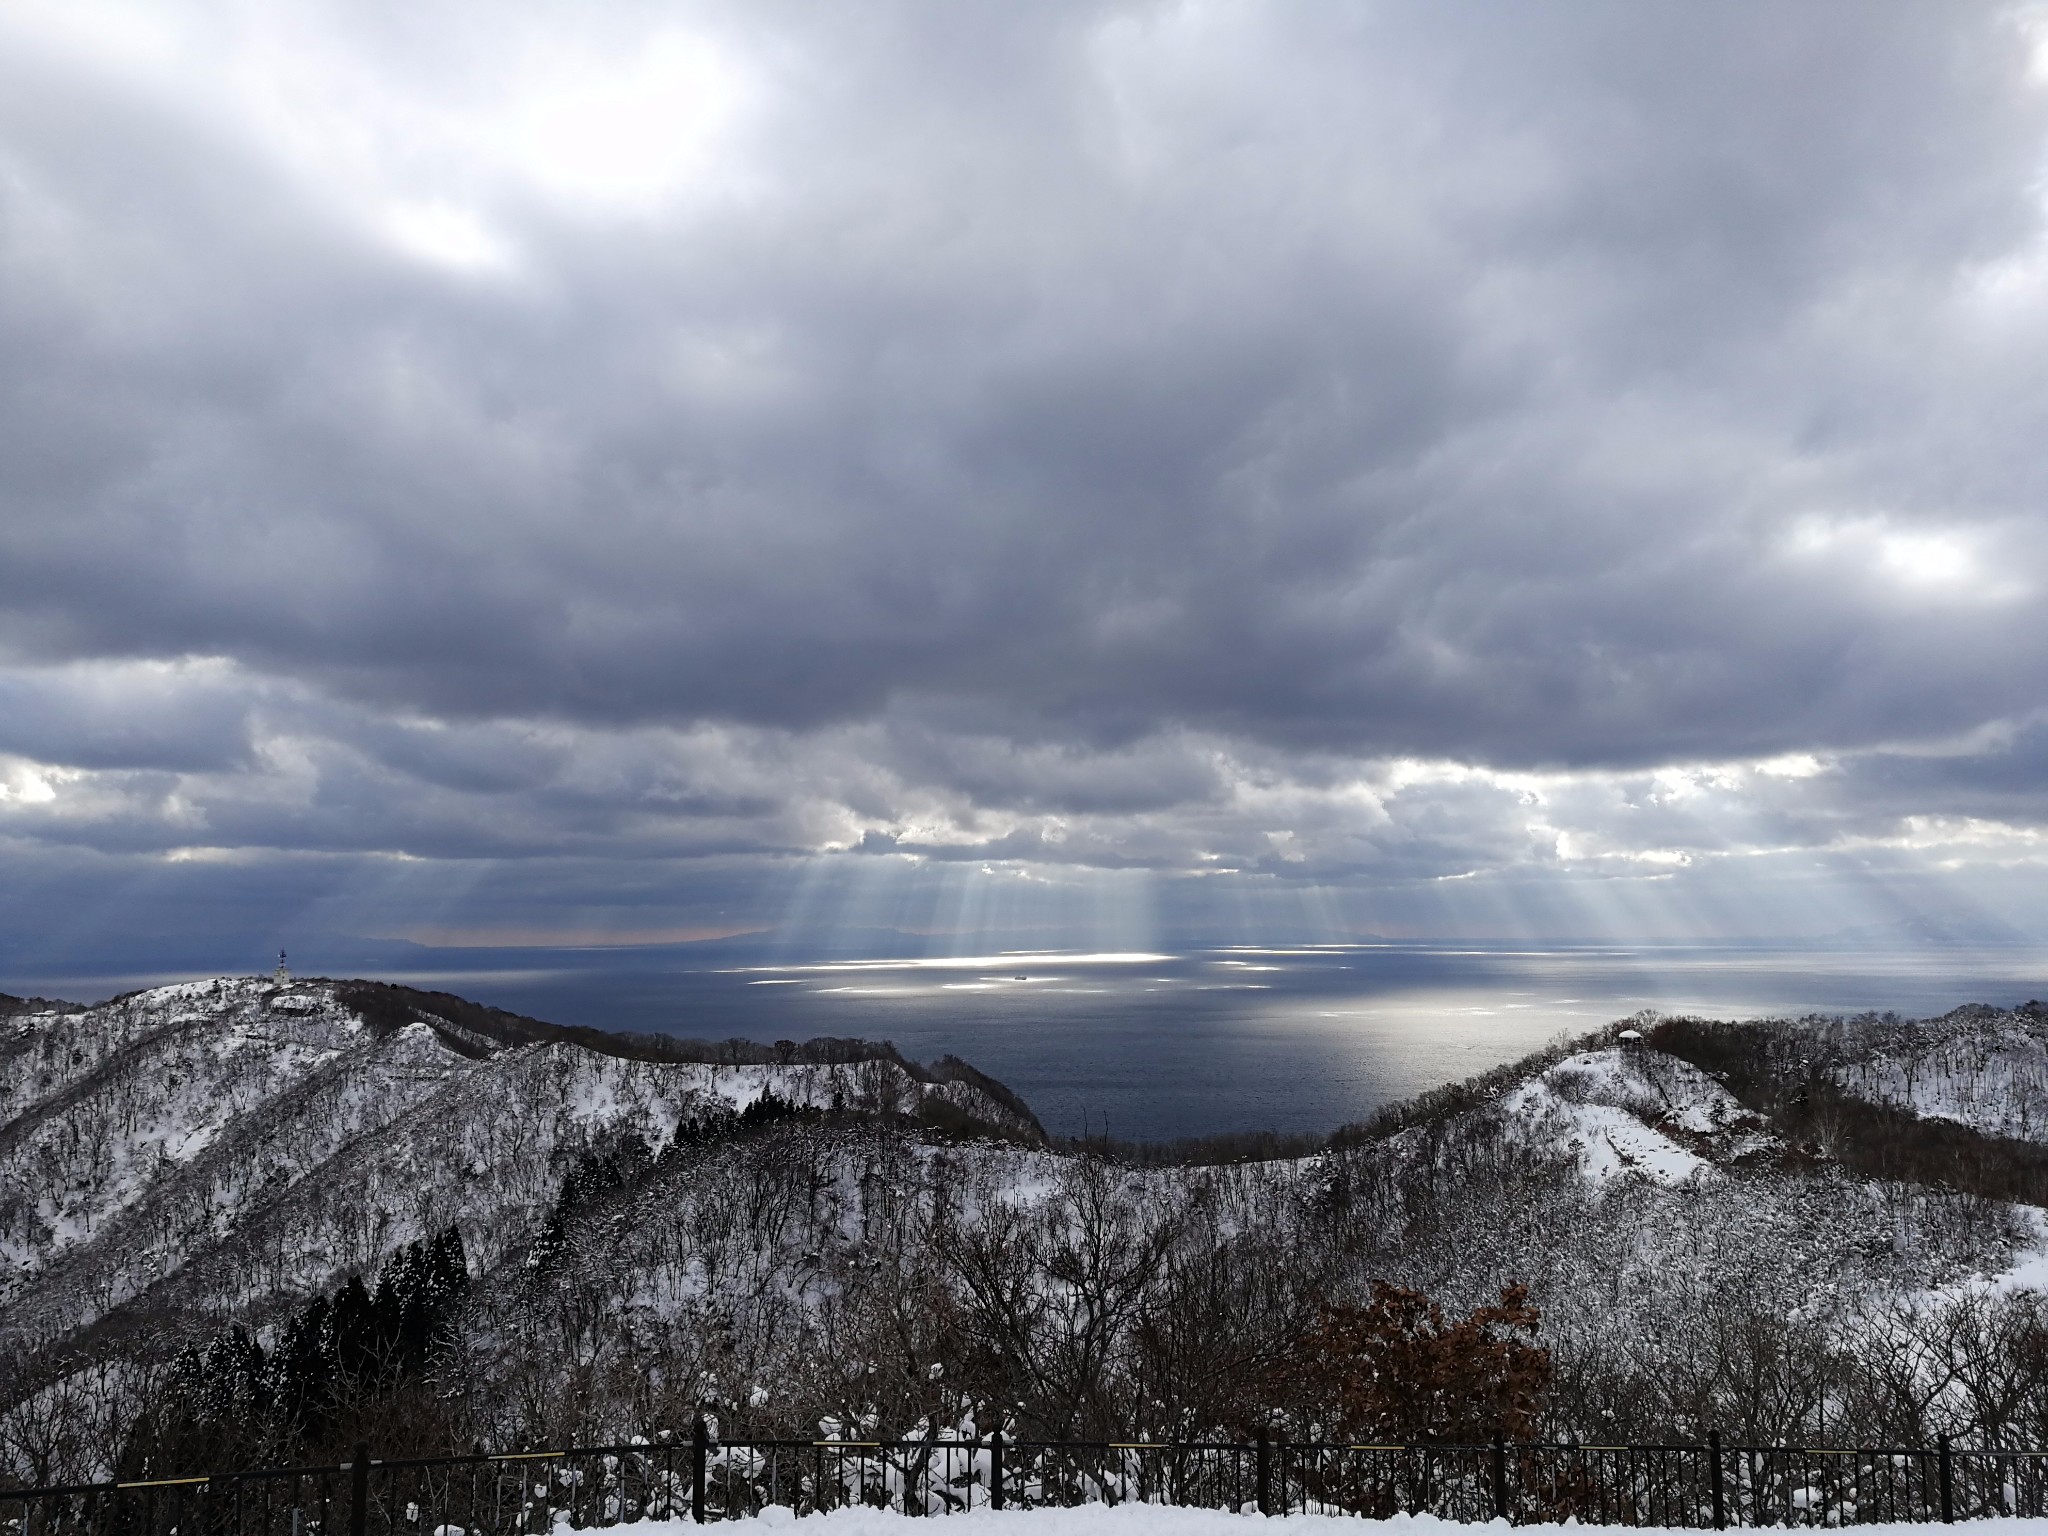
(1179, 1041)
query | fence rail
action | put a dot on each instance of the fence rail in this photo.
(701, 1478)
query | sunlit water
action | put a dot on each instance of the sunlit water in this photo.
(1152, 1046)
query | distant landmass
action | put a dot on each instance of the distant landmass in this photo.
(1958, 930)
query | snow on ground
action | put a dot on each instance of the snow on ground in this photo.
(158, 1132)
(1994, 1082)
(1624, 1111)
(1170, 1520)
(2025, 1270)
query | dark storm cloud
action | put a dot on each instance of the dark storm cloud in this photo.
(1101, 434)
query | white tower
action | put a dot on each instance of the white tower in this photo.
(283, 975)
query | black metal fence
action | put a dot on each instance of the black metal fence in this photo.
(701, 1478)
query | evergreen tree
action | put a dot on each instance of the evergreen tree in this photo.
(302, 1369)
(591, 1178)
(357, 1345)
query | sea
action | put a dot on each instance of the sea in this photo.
(1193, 1041)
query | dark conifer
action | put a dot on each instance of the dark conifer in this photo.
(357, 1345)
(302, 1368)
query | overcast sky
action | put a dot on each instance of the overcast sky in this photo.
(530, 471)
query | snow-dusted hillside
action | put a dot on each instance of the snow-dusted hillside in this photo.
(1688, 1204)
(219, 1145)
(1683, 1253)
(1627, 1109)
(1985, 1068)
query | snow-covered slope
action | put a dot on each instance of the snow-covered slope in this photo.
(1985, 1068)
(1693, 1234)
(1627, 1109)
(220, 1143)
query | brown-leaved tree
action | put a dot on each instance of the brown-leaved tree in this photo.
(1396, 1370)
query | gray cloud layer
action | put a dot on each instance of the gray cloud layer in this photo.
(1356, 444)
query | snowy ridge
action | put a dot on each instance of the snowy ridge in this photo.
(221, 1144)
(214, 1155)
(1629, 1110)
(765, 1270)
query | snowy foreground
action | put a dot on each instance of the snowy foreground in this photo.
(1168, 1520)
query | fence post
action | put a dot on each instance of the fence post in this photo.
(359, 1492)
(995, 1469)
(1500, 1478)
(1948, 1484)
(1265, 1472)
(700, 1443)
(1714, 1479)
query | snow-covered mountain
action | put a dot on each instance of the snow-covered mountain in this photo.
(1744, 1225)
(220, 1147)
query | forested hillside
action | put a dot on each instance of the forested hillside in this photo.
(250, 1221)
(220, 1151)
